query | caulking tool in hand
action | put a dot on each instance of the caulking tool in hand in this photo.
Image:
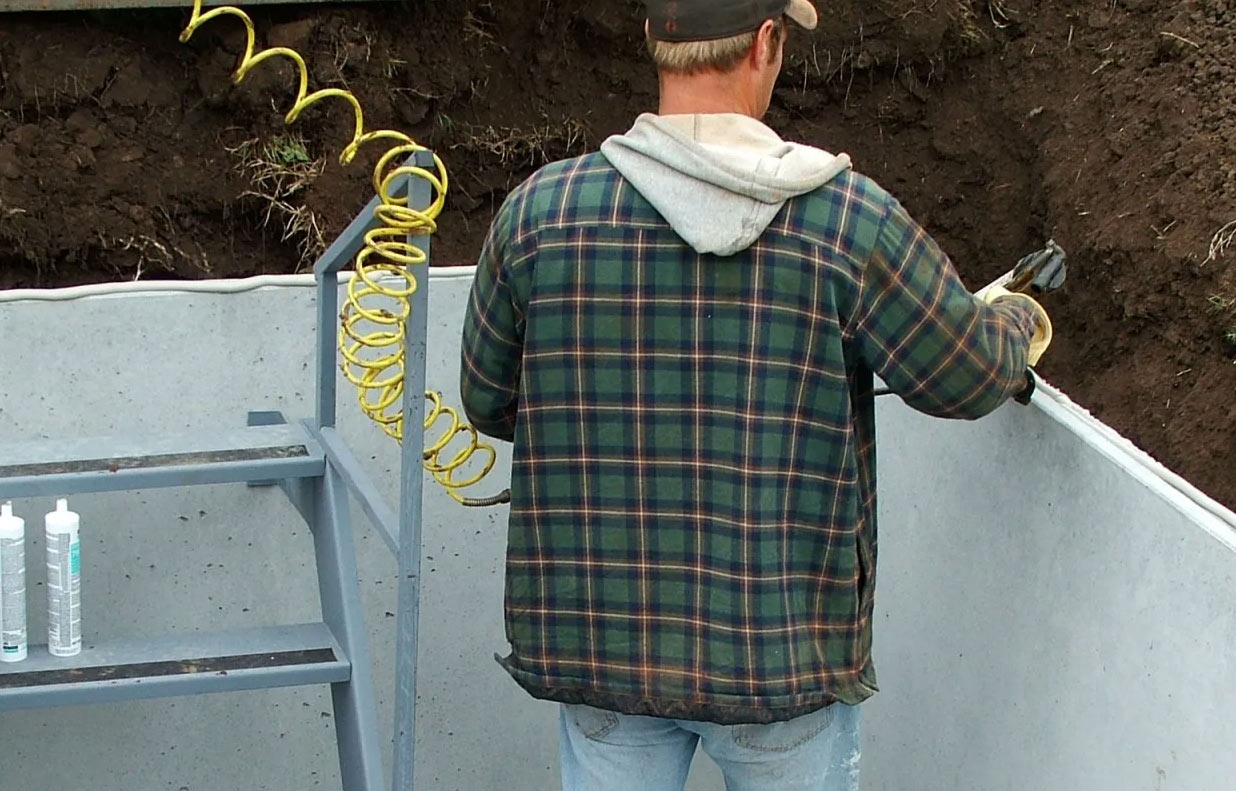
(1039, 273)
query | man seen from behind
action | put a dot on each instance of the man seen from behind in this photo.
(680, 333)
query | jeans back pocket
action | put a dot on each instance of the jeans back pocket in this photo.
(781, 737)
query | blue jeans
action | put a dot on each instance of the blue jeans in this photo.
(604, 751)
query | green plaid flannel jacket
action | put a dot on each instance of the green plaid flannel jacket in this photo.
(693, 515)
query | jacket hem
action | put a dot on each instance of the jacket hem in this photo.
(721, 710)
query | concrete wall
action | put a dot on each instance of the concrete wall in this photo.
(1052, 614)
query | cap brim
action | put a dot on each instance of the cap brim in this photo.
(803, 13)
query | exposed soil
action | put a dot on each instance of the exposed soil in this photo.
(1109, 126)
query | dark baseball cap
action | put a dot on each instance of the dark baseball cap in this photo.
(704, 20)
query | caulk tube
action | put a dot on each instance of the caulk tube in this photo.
(64, 581)
(13, 646)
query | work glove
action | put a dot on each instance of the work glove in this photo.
(1043, 330)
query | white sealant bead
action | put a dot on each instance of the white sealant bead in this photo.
(13, 644)
(64, 604)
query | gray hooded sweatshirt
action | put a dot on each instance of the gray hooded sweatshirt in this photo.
(718, 180)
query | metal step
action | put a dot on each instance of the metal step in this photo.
(52, 468)
(191, 664)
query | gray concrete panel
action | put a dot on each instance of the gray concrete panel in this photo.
(1050, 614)
(1049, 619)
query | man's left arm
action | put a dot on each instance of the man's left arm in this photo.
(493, 337)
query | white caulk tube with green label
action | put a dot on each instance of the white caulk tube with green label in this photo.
(64, 581)
(13, 646)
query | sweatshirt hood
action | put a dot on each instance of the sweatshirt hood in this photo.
(718, 180)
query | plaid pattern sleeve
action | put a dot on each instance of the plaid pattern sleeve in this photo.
(493, 335)
(693, 516)
(938, 347)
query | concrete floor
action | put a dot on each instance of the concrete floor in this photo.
(1051, 613)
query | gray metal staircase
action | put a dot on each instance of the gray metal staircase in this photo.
(313, 466)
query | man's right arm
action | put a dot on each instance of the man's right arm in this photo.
(944, 351)
(493, 336)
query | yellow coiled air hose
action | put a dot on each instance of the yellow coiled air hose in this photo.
(374, 360)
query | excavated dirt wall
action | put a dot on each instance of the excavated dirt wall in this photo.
(1110, 127)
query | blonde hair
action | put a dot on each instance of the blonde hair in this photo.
(721, 54)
